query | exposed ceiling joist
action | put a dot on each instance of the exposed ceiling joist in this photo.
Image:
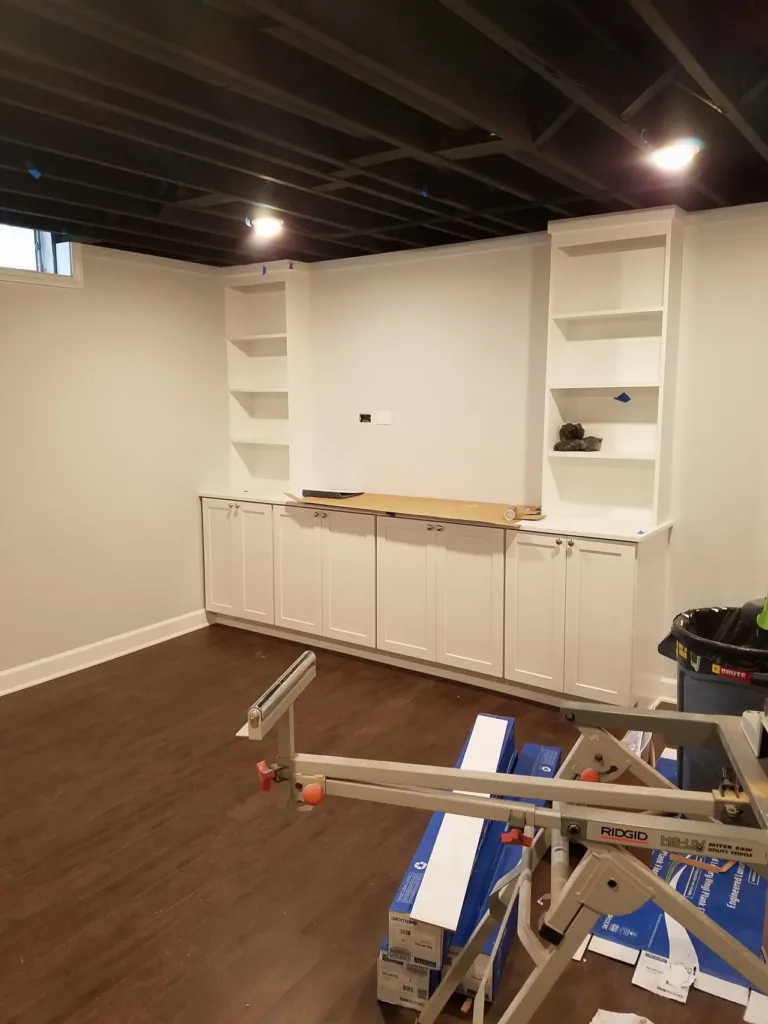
(41, 133)
(412, 67)
(381, 82)
(488, 109)
(570, 89)
(667, 35)
(154, 124)
(173, 219)
(552, 129)
(258, 72)
(63, 60)
(657, 85)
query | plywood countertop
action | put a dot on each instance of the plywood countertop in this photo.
(484, 513)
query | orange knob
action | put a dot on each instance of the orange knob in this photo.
(590, 775)
(266, 776)
(313, 794)
(516, 837)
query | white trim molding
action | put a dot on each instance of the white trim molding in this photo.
(34, 672)
(531, 693)
(74, 280)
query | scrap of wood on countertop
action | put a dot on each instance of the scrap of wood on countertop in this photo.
(486, 513)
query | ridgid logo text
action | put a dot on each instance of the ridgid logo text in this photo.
(630, 835)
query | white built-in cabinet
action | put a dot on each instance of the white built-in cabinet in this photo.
(599, 616)
(561, 614)
(238, 549)
(325, 573)
(405, 575)
(535, 610)
(441, 593)
(570, 614)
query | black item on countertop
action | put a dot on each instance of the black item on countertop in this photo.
(572, 439)
(308, 492)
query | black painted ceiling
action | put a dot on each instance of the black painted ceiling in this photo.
(369, 125)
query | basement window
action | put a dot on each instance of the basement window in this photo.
(36, 257)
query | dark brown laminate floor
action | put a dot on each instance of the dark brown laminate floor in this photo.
(144, 878)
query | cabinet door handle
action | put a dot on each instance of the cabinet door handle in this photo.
(430, 526)
(236, 505)
(323, 515)
(570, 543)
(559, 541)
(438, 528)
(316, 515)
(231, 504)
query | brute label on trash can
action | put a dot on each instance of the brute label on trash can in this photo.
(704, 665)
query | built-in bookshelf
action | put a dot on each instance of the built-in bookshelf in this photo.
(266, 312)
(611, 361)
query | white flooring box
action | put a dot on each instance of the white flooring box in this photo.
(403, 984)
(494, 860)
(430, 897)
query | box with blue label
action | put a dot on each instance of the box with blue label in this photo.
(669, 960)
(495, 860)
(732, 896)
(403, 984)
(431, 895)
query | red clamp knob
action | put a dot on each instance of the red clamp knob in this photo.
(266, 775)
(516, 837)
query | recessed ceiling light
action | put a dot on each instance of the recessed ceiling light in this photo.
(676, 156)
(267, 227)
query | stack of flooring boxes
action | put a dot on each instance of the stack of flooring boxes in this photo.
(445, 890)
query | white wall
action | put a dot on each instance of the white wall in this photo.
(452, 341)
(112, 416)
(720, 496)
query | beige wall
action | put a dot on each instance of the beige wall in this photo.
(452, 341)
(112, 416)
(720, 538)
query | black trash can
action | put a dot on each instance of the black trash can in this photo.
(713, 678)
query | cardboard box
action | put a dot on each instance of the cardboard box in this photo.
(403, 984)
(442, 865)
(735, 899)
(668, 960)
(495, 860)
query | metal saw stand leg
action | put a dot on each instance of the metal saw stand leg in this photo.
(504, 896)
(569, 921)
(615, 882)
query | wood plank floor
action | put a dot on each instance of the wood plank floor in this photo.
(144, 878)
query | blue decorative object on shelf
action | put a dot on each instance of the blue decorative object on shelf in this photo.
(623, 397)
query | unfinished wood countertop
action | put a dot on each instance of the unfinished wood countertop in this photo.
(484, 513)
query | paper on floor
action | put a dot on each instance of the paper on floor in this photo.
(608, 1017)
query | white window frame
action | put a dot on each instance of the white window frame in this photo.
(73, 280)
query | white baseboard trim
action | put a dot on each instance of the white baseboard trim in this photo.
(413, 665)
(34, 672)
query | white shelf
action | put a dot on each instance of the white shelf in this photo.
(608, 314)
(606, 391)
(258, 391)
(257, 337)
(602, 456)
(261, 441)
